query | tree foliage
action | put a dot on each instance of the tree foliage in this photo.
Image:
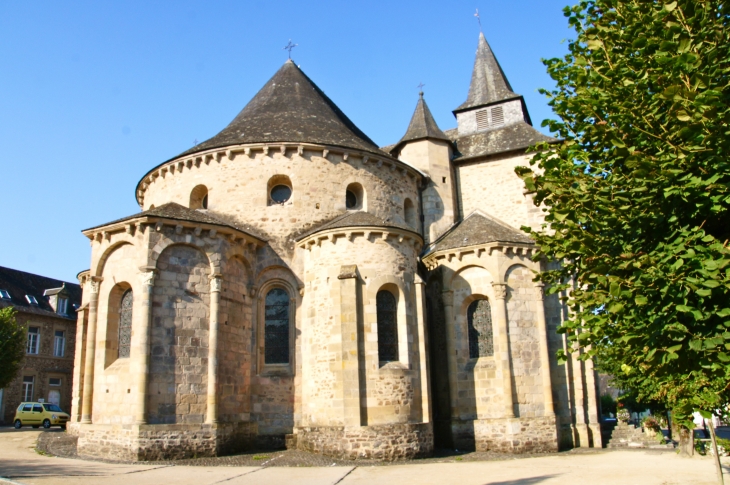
(12, 346)
(637, 195)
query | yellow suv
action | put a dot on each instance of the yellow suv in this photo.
(39, 414)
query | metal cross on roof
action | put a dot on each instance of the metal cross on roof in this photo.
(479, 19)
(420, 89)
(289, 47)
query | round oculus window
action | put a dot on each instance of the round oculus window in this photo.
(280, 193)
(350, 199)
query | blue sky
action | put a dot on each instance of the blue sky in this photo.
(93, 94)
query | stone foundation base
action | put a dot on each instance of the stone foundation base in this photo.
(151, 442)
(383, 442)
(507, 435)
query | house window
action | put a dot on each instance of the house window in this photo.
(62, 308)
(4, 295)
(280, 189)
(354, 197)
(276, 327)
(387, 311)
(31, 299)
(34, 339)
(59, 343)
(199, 197)
(125, 324)
(28, 388)
(481, 337)
(54, 381)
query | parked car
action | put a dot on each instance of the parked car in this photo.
(38, 414)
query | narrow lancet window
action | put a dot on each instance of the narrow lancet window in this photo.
(481, 338)
(387, 313)
(125, 324)
(276, 327)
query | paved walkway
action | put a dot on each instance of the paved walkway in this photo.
(19, 463)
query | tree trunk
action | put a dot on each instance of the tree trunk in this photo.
(718, 465)
(669, 425)
(686, 441)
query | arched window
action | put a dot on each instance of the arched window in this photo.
(276, 327)
(387, 313)
(279, 189)
(199, 197)
(125, 324)
(409, 211)
(354, 197)
(481, 337)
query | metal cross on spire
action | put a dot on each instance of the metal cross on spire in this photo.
(479, 19)
(420, 88)
(289, 47)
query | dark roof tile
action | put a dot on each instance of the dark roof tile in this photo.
(19, 283)
(517, 136)
(477, 229)
(354, 219)
(175, 211)
(488, 82)
(290, 108)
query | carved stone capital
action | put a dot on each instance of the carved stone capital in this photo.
(93, 284)
(216, 283)
(540, 287)
(147, 275)
(500, 290)
(448, 297)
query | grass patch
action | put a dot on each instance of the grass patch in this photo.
(260, 457)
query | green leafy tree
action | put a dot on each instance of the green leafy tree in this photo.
(637, 196)
(12, 346)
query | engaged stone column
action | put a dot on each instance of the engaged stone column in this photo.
(215, 295)
(147, 275)
(500, 319)
(79, 363)
(423, 349)
(93, 286)
(350, 359)
(547, 386)
(452, 362)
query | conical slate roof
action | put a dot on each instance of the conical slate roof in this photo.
(422, 125)
(290, 108)
(488, 82)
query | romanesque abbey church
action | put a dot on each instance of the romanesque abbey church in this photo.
(290, 283)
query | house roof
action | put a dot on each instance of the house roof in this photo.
(517, 136)
(478, 228)
(175, 211)
(354, 219)
(19, 284)
(488, 82)
(422, 125)
(290, 108)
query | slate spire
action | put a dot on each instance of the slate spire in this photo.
(488, 82)
(422, 125)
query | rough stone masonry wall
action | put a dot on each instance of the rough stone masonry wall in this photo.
(479, 387)
(384, 442)
(235, 344)
(493, 187)
(237, 190)
(114, 391)
(179, 337)
(516, 435)
(163, 442)
(390, 393)
(524, 343)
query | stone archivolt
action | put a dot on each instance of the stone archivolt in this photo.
(219, 268)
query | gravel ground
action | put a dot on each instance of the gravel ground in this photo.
(59, 443)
